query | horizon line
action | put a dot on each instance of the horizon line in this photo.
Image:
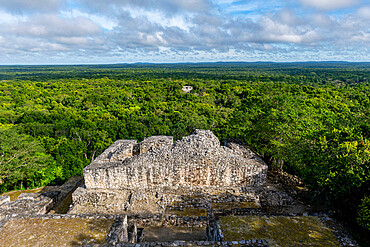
(174, 63)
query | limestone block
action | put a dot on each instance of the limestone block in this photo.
(154, 142)
(100, 197)
(27, 203)
(28, 196)
(275, 198)
(118, 151)
(4, 199)
(114, 201)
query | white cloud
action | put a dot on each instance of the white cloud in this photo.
(322, 20)
(172, 29)
(171, 7)
(51, 25)
(48, 33)
(23, 6)
(191, 5)
(288, 17)
(72, 40)
(225, 1)
(6, 17)
(286, 31)
(243, 7)
(160, 18)
(364, 12)
(329, 4)
(361, 37)
(103, 21)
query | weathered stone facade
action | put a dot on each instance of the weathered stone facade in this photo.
(147, 177)
(27, 203)
(196, 160)
(152, 142)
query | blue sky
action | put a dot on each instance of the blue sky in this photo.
(126, 31)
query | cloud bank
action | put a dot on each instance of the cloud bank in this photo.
(111, 31)
(330, 4)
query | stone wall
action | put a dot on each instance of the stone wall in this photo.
(163, 200)
(195, 161)
(27, 203)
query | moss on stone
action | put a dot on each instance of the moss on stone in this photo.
(278, 230)
(60, 232)
(172, 233)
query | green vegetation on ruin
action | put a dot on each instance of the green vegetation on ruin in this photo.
(60, 232)
(172, 233)
(310, 119)
(278, 230)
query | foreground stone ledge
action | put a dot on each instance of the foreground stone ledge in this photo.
(247, 243)
(27, 203)
(177, 221)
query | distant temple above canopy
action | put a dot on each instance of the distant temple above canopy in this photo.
(187, 89)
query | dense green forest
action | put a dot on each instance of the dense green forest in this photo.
(310, 119)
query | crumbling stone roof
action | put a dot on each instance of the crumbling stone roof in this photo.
(118, 151)
(154, 142)
(202, 147)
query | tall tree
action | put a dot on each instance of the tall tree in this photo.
(20, 157)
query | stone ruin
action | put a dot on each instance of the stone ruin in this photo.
(28, 203)
(187, 89)
(194, 161)
(192, 192)
(131, 177)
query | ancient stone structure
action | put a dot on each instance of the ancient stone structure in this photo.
(193, 192)
(145, 176)
(187, 89)
(195, 160)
